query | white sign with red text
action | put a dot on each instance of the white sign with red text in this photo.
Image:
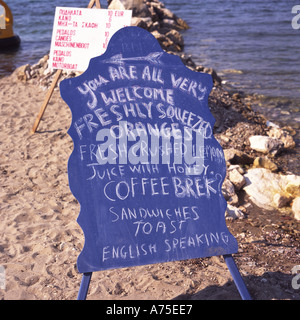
(81, 34)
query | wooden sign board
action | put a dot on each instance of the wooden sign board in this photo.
(80, 34)
(146, 168)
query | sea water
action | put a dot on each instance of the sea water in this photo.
(251, 44)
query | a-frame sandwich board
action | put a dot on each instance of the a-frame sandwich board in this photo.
(146, 168)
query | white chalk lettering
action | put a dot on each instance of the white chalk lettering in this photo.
(128, 251)
(188, 86)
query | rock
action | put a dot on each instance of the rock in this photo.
(150, 15)
(293, 188)
(236, 167)
(296, 208)
(228, 192)
(154, 26)
(262, 185)
(144, 23)
(236, 96)
(165, 42)
(245, 208)
(281, 200)
(164, 13)
(116, 5)
(237, 179)
(138, 7)
(183, 25)
(153, 14)
(169, 23)
(187, 60)
(234, 212)
(283, 136)
(43, 62)
(176, 37)
(261, 162)
(213, 73)
(266, 144)
(235, 156)
(23, 73)
(154, 10)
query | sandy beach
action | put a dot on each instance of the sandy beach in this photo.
(40, 239)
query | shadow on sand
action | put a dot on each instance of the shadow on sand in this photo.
(269, 286)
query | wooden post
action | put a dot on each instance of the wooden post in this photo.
(46, 101)
(55, 80)
(92, 2)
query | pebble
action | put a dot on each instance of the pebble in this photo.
(229, 192)
(262, 162)
(234, 212)
(237, 179)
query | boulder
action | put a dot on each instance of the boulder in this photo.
(236, 178)
(266, 144)
(164, 41)
(144, 23)
(164, 13)
(296, 208)
(139, 7)
(283, 136)
(269, 190)
(182, 24)
(176, 37)
(228, 192)
(150, 9)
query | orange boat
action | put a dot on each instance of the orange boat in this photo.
(8, 40)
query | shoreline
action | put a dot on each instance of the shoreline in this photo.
(41, 239)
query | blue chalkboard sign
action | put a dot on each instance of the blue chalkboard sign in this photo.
(146, 168)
